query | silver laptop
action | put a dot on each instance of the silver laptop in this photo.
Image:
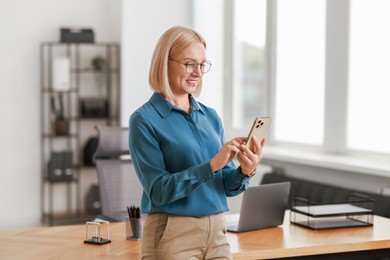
(262, 206)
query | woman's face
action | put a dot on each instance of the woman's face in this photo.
(182, 82)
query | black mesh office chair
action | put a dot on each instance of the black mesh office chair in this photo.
(118, 183)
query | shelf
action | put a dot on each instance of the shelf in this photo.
(331, 223)
(67, 218)
(356, 212)
(46, 89)
(90, 70)
(113, 118)
(330, 210)
(73, 180)
(88, 167)
(46, 135)
(72, 44)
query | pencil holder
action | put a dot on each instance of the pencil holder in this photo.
(133, 228)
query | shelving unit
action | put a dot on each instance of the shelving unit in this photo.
(83, 94)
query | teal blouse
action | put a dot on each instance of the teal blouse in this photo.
(171, 151)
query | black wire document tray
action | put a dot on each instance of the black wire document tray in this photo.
(356, 212)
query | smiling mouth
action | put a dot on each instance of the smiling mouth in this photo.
(192, 82)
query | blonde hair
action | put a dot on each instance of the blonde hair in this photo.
(172, 42)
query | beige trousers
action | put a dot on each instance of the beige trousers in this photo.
(170, 237)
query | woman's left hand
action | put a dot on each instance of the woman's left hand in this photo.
(249, 158)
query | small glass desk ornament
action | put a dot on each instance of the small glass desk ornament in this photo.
(97, 238)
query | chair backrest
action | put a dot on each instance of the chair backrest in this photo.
(118, 183)
(113, 141)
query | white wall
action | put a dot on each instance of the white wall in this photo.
(143, 23)
(24, 25)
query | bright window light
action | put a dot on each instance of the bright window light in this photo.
(300, 71)
(369, 81)
(249, 86)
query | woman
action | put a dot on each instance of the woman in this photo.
(181, 158)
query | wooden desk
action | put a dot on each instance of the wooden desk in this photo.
(286, 241)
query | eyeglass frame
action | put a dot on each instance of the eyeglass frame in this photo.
(194, 65)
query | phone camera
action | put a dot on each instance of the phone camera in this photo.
(259, 124)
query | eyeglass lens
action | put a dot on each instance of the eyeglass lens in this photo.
(204, 66)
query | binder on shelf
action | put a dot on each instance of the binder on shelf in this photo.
(69, 35)
(94, 108)
(60, 166)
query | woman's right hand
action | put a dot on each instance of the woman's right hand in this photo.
(226, 154)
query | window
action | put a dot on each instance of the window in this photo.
(369, 82)
(319, 68)
(249, 93)
(299, 75)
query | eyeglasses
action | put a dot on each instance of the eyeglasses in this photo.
(192, 66)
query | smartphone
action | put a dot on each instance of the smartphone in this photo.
(259, 129)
